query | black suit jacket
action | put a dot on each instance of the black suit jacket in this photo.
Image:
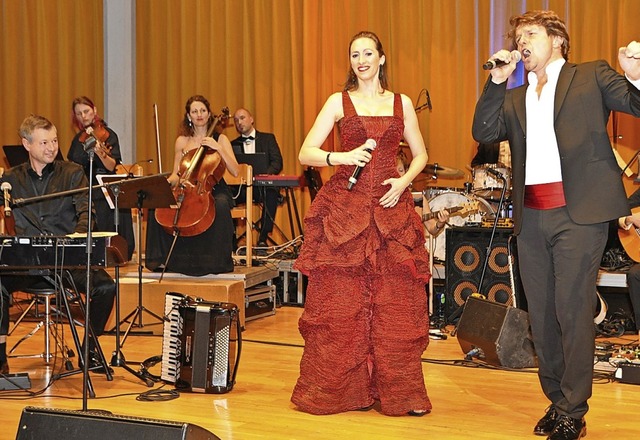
(487, 153)
(585, 96)
(266, 143)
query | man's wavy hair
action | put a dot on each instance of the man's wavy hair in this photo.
(31, 123)
(548, 20)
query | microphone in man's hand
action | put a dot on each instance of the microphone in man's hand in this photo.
(354, 177)
(6, 188)
(496, 173)
(492, 64)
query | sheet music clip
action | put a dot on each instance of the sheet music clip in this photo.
(151, 191)
(106, 179)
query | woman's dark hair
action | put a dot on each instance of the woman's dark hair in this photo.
(352, 80)
(186, 126)
(77, 125)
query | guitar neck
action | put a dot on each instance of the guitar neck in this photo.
(427, 217)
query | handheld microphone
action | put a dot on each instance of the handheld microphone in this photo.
(354, 177)
(495, 172)
(429, 106)
(492, 64)
(6, 187)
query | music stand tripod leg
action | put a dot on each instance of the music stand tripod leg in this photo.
(118, 359)
(136, 314)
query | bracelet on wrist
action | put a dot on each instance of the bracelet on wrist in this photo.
(328, 160)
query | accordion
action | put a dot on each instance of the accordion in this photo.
(201, 344)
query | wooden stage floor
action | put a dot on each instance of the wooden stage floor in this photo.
(469, 401)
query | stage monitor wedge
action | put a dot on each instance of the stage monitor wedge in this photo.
(498, 334)
(42, 423)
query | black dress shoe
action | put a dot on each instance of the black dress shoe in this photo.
(546, 424)
(4, 367)
(568, 428)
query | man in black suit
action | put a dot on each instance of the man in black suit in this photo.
(252, 141)
(496, 153)
(566, 187)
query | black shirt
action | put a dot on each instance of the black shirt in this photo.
(56, 216)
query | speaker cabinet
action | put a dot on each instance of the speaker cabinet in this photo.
(41, 423)
(466, 249)
(496, 333)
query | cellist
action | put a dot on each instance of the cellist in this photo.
(209, 252)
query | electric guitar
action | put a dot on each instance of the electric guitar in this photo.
(462, 211)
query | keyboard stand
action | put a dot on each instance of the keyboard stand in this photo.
(74, 332)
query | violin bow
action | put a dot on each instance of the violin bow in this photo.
(155, 113)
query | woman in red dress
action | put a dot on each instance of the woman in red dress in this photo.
(365, 322)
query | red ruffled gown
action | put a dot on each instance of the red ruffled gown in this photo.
(365, 321)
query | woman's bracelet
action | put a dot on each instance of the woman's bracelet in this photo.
(328, 160)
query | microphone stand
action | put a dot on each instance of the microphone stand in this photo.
(460, 309)
(427, 104)
(89, 147)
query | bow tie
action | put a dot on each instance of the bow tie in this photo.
(247, 138)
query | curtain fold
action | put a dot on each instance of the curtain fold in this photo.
(281, 59)
(50, 52)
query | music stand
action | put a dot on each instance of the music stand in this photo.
(141, 192)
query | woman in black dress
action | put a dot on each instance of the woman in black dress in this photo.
(209, 252)
(107, 156)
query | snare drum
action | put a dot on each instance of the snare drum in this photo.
(460, 218)
(487, 185)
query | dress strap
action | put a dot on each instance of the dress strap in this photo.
(397, 105)
(347, 105)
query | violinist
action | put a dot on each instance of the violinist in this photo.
(87, 123)
(209, 252)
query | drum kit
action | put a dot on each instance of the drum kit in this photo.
(482, 193)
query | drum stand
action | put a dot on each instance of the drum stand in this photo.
(432, 244)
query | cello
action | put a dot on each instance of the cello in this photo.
(200, 170)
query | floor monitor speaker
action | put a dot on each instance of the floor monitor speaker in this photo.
(41, 423)
(496, 333)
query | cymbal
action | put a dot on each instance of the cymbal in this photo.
(442, 171)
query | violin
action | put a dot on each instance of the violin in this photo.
(200, 170)
(98, 131)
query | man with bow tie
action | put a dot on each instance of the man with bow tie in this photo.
(252, 141)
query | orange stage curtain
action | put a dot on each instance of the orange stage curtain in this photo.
(281, 59)
(50, 52)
